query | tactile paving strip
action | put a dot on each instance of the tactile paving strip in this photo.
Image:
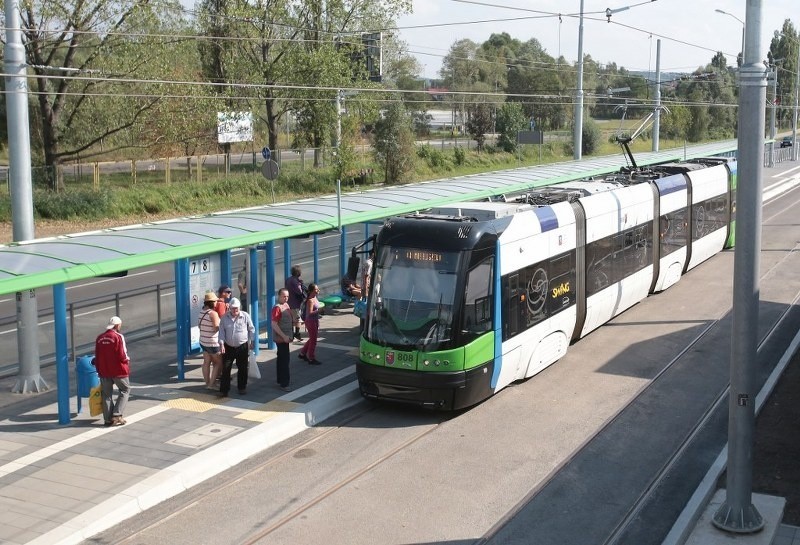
(197, 403)
(274, 408)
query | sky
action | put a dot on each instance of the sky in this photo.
(691, 31)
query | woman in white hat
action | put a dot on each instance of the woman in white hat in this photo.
(209, 340)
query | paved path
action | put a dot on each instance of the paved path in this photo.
(62, 484)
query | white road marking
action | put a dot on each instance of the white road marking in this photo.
(61, 446)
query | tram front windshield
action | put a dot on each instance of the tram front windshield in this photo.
(413, 294)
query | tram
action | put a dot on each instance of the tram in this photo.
(468, 298)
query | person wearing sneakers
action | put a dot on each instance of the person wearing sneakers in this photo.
(113, 368)
(311, 319)
(208, 324)
(236, 337)
(282, 318)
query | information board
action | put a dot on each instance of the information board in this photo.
(204, 274)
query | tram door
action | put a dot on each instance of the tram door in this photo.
(513, 324)
(514, 321)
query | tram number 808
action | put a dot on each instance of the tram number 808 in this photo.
(404, 359)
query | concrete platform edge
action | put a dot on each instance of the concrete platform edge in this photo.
(691, 514)
(187, 473)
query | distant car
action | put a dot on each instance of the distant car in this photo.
(786, 142)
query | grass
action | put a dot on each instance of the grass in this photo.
(118, 196)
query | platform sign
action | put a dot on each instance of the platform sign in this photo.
(204, 274)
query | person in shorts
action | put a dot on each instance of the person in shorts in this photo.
(208, 324)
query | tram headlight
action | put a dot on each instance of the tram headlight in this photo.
(426, 363)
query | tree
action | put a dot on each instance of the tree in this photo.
(394, 143)
(510, 120)
(532, 73)
(301, 43)
(784, 46)
(77, 109)
(479, 123)
(345, 159)
(675, 124)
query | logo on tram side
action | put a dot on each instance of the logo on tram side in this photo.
(390, 357)
(563, 289)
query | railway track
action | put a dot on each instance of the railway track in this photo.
(611, 485)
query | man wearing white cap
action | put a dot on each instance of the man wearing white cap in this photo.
(113, 368)
(236, 337)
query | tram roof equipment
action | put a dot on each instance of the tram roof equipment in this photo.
(45, 262)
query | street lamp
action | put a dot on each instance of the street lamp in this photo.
(723, 12)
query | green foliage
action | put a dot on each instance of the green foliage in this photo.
(459, 155)
(72, 205)
(479, 123)
(591, 137)
(675, 124)
(432, 156)
(510, 120)
(345, 160)
(394, 143)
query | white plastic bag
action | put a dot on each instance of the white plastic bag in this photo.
(252, 368)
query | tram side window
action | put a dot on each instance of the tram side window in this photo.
(673, 231)
(538, 292)
(709, 215)
(599, 260)
(477, 300)
(615, 257)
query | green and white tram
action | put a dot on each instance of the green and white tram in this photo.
(467, 298)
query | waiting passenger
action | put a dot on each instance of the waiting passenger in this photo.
(349, 287)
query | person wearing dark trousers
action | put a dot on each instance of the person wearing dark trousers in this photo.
(282, 318)
(297, 295)
(236, 338)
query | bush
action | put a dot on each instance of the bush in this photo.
(71, 205)
(433, 157)
(591, 137)
(459, 155)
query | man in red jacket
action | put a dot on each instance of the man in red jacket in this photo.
(113, 367)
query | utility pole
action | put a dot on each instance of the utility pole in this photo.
(577, 137)
(796, 93)
(657, 112)
(773, 79)
(29, 379)
(737, 513)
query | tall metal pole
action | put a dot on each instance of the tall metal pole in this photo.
(773, 79)
(657, 112)
(29, 379)
(737, 513)
(338, 118)
(796, 93)
(577, 137)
